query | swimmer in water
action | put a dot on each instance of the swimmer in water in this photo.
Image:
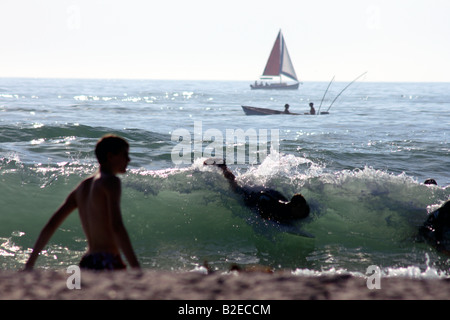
(269, 203)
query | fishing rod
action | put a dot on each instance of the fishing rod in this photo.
(344, 89)
(318, 112)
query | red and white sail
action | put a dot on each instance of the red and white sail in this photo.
(279, 62)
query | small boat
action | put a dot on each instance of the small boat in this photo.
(255, 111)
(278, 65)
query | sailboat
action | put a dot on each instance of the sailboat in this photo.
(278, 65)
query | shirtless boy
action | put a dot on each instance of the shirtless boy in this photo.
(98, 202)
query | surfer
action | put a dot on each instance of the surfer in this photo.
(436, 229)
(269, 203)
(97, 199)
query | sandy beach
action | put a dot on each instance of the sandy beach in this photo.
(161, 285)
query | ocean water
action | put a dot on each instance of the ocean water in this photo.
(361, 169)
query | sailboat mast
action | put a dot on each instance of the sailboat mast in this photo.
(281, 54)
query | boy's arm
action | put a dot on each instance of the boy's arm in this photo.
(229, 176)
(55, 221)
(121, 234)
(220, 163)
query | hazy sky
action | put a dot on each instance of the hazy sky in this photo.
(394, 40)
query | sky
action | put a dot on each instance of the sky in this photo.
(393, 40)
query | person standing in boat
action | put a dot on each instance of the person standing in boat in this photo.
(312, 110)
(286, 108)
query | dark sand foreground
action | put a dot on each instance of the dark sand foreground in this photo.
(148, 284)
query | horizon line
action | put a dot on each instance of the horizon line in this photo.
(203, 80)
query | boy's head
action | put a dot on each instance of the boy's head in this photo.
(284, 212)
(110, 144)
(298, 207)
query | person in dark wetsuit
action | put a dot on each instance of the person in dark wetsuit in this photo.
(269, 203)
(436, 229)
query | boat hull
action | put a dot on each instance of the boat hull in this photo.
(275, 86)
(254, 111)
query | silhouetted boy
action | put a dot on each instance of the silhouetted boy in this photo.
(97, 199)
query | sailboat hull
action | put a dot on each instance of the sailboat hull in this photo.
(275, 86)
